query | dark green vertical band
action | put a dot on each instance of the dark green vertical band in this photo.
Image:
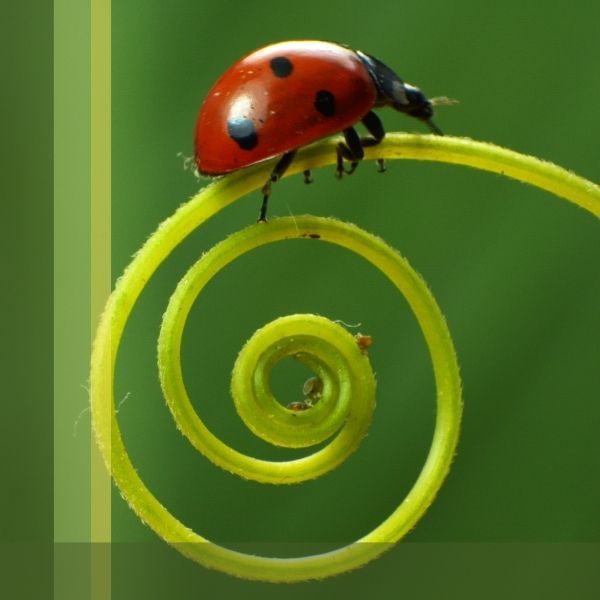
(26, 501)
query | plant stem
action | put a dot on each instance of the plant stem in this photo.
(203, 206)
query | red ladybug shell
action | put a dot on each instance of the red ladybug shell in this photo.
(279, 98)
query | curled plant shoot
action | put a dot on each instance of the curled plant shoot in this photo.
(346, 385)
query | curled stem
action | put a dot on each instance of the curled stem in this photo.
(348, 396)
(175, 229)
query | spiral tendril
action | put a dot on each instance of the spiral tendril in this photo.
(344, 406)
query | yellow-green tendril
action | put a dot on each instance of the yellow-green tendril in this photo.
(326, 347)
(275, 344)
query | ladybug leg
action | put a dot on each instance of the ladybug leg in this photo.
(374, 126)
(352, 150)
(276, 174)
(307, 176)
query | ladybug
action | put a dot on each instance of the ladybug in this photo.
(289, 94)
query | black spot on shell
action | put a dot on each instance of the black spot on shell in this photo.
(281, 66)
(242, 131)
(325, 103)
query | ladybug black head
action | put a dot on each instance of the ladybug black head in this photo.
(392, 91)
(418, 106)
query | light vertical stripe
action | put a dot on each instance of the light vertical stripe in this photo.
(100, 271)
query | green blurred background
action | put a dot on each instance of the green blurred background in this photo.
(515, 270)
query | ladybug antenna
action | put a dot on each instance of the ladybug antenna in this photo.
(439, 101)
(443, 101)
(434, 127)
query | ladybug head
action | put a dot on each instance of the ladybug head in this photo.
(418, 106)
(392, 91)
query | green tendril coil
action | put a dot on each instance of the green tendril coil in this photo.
(348, 396)
(346, 405)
